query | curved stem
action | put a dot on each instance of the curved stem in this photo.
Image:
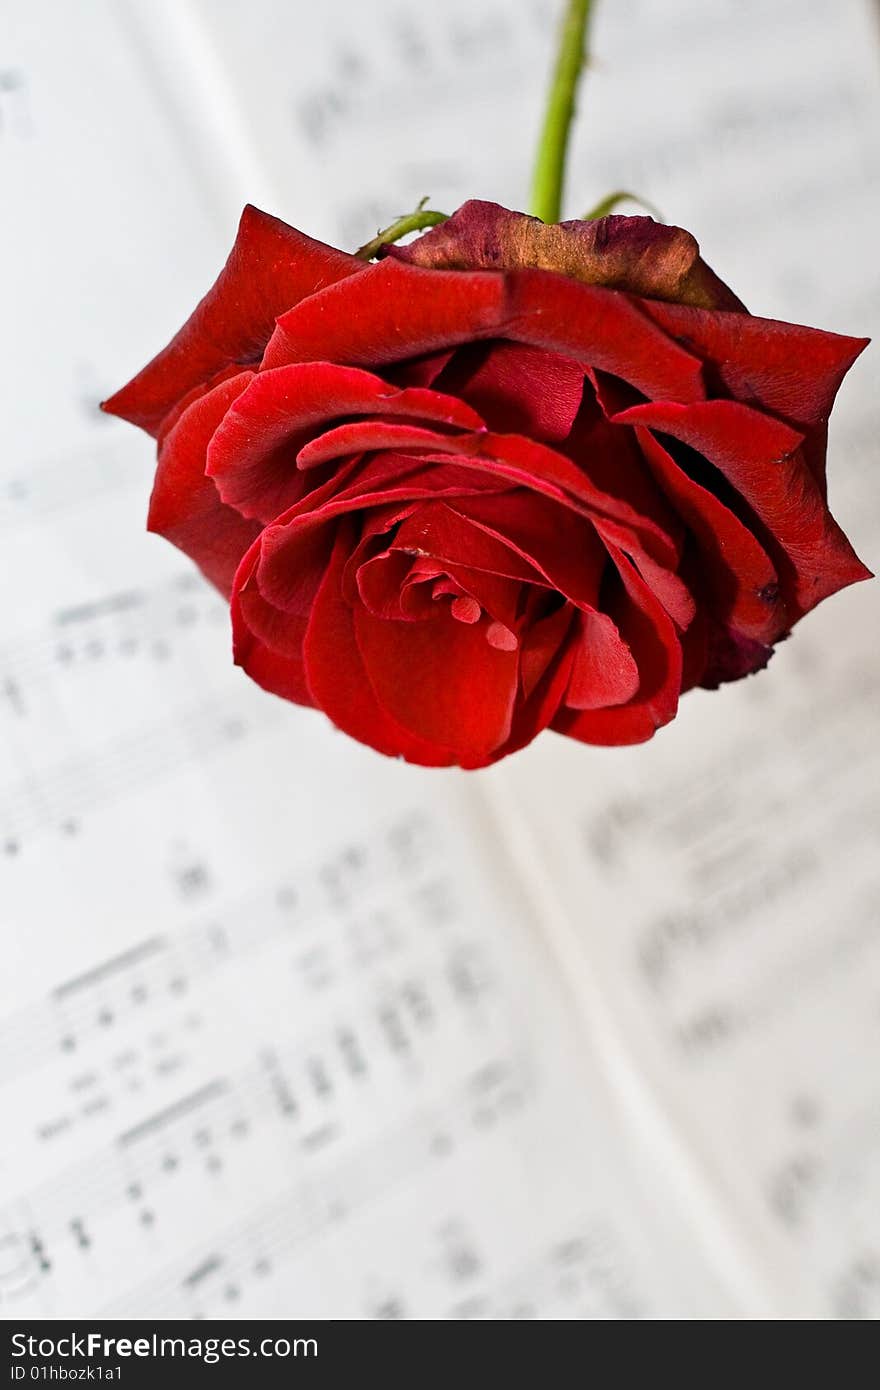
(613, 200)
(549, 171)
(413, 222)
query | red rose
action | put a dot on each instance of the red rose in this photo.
(512, 476)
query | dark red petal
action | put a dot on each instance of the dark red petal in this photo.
(265, 643)
(496, 596)
(730, 656)
(760, 458)
(635, 254)
(505, 515)
(548, 472)
(443, 681)
(736, 573)
(253, 455)
(270, 268)
(601, 328)
(279, 675)
(625, 489)
(543, 694)
(362, 436)
(668, 586)
(560, 545)
(291, 583)
(185, 506)
(517, 388)
(336, 676)
(421, 371)
(449, 535)
(202, 389)
(391, 312)
(648, 632)
(790, 370)
(379, 583)
(385, 484)
(604, 671)
(542, 641)
(395, 311)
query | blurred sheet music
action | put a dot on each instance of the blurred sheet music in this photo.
(272, 1035)
(278, 1028)
(725, 880)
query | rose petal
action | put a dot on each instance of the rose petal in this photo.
(603, 670)
(270, 268)
(551, 473)
(517, 388)
(543, 639)
(379, 583)
(647, 630)
(562, 547)
(759, 457)
(394, 311)
(635, 254)
(785, 368)
(265, 643)
(185, 506)
(252, 457)
(736, 573)
(361, 437)
(384, 484)
(442, 681)
(400, 312)
(447, 534)
(601, 328)
(337, 679)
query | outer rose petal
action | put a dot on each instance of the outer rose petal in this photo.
(265, 643)
(394, 311)
(399, 312)
(635, 254)
(271, 267)
(760, 458)
(735, 571)
(185, 506)
(785, 368)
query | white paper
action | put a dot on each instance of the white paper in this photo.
(278, 1030)
(722, 883)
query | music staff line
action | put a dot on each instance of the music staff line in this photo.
(285, 1224)
(305, 1088)
(350, 890)
(59, 797)
(703, 803)
(583, 1274)
(117, 627)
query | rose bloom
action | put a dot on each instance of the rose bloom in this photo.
(510, 477)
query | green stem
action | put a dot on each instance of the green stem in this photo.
(613, 200)
(413, 222)
(549, 172)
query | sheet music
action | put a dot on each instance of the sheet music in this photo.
(278, 1033)
(723, 881)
